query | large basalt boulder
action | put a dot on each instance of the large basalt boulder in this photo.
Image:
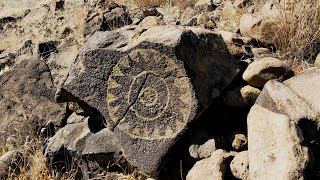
(279, 145)
(150, 85)
(27, 99)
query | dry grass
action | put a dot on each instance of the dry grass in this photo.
(41, 28)
(230, 18)
(151, 3)
(298, 34)
(32, 164)
(157, 3)
(35, 165)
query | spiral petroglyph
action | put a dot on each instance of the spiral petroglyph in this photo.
(149, 95)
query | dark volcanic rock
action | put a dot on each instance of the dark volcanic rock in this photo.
(150, 85)
(104, 16)
(27, 99)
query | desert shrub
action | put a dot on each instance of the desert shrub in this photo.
(297, 36)
(36, 166)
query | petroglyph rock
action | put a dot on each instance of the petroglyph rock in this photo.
(149, 85)
(150, 95)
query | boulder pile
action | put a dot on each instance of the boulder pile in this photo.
(196, 92)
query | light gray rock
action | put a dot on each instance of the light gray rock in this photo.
(206, 149)
(60, 62)
(240, 166)
(57, 5)
(170, 14)
(150, 21)
(213, 167)
(233, 42)
(103, 147)
(260, 52)
(203, 151)
(275, 148)
(306, 86)
(193, 151)
(261, 25)
(317, 61)
(188, 17)
(262, 70)
(71, 137)
(282, 99)
(277, 139)
(241, 3)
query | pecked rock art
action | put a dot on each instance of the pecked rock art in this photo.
(149, 85)
(149, 95)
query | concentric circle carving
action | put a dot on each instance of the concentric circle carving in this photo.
(149, 95)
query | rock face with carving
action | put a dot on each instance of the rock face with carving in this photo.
(150, 84)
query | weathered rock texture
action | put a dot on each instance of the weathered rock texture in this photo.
(277, 144)
(105, 15)
(261, 25)
(27, 99)
(203, 151)
(85, 137)
(10, 162)
(262, 70)
(213, 167)
(150, 85)
(240, 165)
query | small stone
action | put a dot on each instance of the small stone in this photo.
(261, 25)
(202, 19)
(10, 160)
(211, 168)
(203, 151)
(206, 149)
(241, 96)
(240, 165)
(241, 3)
(188, 17)
(193, 151)
(150, 21)
(57, 5)
(246, 40)
(206, 5)
(259, 52)
(250, 94)
(265, 69)
(210, 25)
(240, 142)
(317, 61)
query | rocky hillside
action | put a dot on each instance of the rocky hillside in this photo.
(156, 89)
